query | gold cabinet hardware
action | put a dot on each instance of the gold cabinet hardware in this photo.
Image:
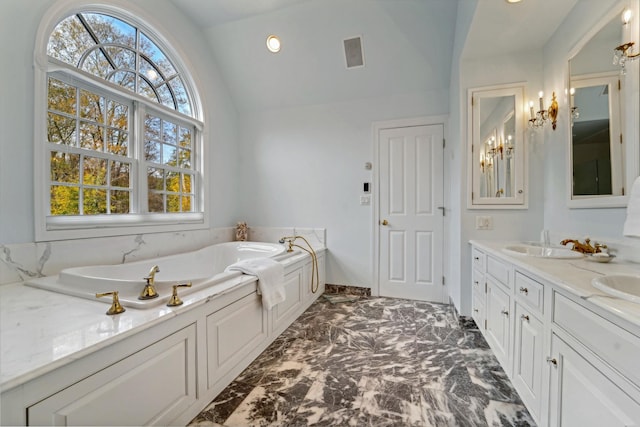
(505, 312)
(384, 222)
(552, 360)
(524, 290)
(115, 308)
(525, 317)
(175, 300)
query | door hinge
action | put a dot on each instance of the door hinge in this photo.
(442, 280)
(623, 191)
(620, 138)
(619, 85)
(485, 287)
(485, 323)
(444, 143)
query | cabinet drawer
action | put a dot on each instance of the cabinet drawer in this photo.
(529, 292)
(478, 259)
(477, 281)
(499, 270)
(613, 344)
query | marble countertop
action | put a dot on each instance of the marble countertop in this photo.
(41, 330)
(575, 276)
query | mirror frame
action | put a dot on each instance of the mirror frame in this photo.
(629, 111)
(520, 198)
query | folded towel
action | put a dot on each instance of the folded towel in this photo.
(632, 223)
(270, 275)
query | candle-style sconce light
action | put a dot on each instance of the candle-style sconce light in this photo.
(624, 52)
(539, 118)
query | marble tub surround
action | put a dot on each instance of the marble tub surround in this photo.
(20, 262)
(575, 276)
(346, 289)
(41, 330)
(373, 361)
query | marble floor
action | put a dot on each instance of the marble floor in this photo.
(372, 362)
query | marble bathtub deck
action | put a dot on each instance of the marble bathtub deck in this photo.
(372, 362)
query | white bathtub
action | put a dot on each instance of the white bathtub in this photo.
(203, 268)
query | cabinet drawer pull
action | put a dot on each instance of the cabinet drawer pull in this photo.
(477, 258)
(525, 317)
(524, 290)
(553, 361)
(475, 310)
(476, 283)
(505, 312)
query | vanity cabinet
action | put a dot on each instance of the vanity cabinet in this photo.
(570, 365)
(478, 289)
(159, 381)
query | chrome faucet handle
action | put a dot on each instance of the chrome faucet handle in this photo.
(115, 308)
(175, 299)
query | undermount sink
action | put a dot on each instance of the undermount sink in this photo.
(542, 252)
(623, 286)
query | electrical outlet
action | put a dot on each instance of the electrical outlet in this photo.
(484, 223)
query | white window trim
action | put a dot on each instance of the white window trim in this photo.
(49, 228)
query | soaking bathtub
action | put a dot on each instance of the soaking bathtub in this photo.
(204, 268)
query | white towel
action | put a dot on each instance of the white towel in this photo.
(270, 275)
(632, 223)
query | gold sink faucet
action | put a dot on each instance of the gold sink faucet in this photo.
(586, 247)
(149, 291)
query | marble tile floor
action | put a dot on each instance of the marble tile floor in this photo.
(372, 361)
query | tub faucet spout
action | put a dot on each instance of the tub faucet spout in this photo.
(149, 291)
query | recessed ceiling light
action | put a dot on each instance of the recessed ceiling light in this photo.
(514, 1)
(273, 43)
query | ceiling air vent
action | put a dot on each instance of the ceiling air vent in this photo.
(353, 54)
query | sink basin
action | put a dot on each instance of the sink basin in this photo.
(542, 252)
(619, 285)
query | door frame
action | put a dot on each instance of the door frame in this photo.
(375, 243)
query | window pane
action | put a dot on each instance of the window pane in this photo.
(96, 63)
(61, 130)
(117, 115)
(65, 167)
(126, 79)
(169, 132)
(117, 142)
(145, 90)
(91, 106)
(94, 171)
(185, 159)
(111, 30)
(152, 151)
(173, 203)
(186, 183)
(155, 55)
(156, 202)
(173, 181)
(169, 155)
(64, 200)
(166, 97)
(185, 138)
(119, 202)
(152, 127)
(187, 202)
(120, 174)
(182, 99)
(155, 179)
(62, 97)
(69, 40)
(91, 136)
(150, 72)
(123, 58)
(94, 201)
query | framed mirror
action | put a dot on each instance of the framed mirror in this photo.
(597, 172)
(497, 148)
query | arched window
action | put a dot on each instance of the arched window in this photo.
(121, 137)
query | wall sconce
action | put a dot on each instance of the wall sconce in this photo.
(624, 52)
(508, 147)
(575, 114)
(542, 116)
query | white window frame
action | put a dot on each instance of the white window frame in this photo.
(48, 228)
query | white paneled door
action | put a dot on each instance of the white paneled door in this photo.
(411, 212)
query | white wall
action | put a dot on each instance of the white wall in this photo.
(19, 21)
(304, 167)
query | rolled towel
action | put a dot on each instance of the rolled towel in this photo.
(632, 223)
(270, 275)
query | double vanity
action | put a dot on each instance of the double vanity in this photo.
(564, 328)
